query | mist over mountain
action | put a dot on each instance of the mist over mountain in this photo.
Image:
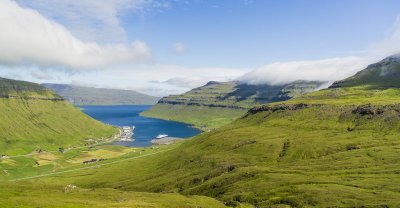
(383, 74)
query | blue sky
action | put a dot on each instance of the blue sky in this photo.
(230, 33)
(162, 47)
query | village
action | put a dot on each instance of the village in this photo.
(126, 134)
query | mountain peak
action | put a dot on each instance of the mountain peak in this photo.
(383, 74)
(16, 88)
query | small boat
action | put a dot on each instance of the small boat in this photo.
(160, 136)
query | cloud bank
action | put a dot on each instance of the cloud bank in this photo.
(30, 38)
(322, 70)
(331, 69)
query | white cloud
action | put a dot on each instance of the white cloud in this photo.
(331, 69)
(179, 47)
(154, 79)
(389, 45)
(33, 39)
(323, 70)
(188, 82)
(92, 20)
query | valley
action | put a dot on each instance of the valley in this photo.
(333, 147)
(199, 104)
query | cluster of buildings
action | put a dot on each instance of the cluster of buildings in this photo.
(127, 134)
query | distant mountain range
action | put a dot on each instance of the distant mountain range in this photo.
(218, 103)
(79, 95)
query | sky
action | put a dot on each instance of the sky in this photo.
(163, 47)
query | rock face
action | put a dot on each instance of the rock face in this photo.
(219, 103)
(371, 110)
(238, 95)
(279, 107)
(384, 74)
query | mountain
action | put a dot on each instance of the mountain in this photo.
(33, 117)
(384, 74)
(78, 95)
(337, 147)
(218, 103)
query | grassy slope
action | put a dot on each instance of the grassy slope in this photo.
(202, 117)
(98, 96)
(48, 195)
(336, 151)
(321, 155)
(36, 118)
(219, 103)
(56, 193)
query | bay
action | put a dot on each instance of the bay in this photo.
(146, 129)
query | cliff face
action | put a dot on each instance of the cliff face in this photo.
(218, 103)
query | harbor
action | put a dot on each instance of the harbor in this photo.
(146, 129)
(126, 134)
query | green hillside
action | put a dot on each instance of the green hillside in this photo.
(384, 74)
(79, 95)
(337, 147)
(288, 154)
(219, 103)
(33, 117)
(49, 196)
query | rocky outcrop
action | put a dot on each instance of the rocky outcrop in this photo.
(279, 107)
(371, 110)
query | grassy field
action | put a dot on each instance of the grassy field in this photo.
(16, 191)
(48, 195)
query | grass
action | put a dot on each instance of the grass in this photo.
(202, 117)
(33, 117)
(319, 155)
(351, 96)
(340, 148)
(61, 193)
(24, 194)
(27, 125)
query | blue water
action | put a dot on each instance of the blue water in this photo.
(146, 128)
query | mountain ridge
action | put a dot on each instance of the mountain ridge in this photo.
(79, 95)
(34, 117)
(382, 74)
(218, 103)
